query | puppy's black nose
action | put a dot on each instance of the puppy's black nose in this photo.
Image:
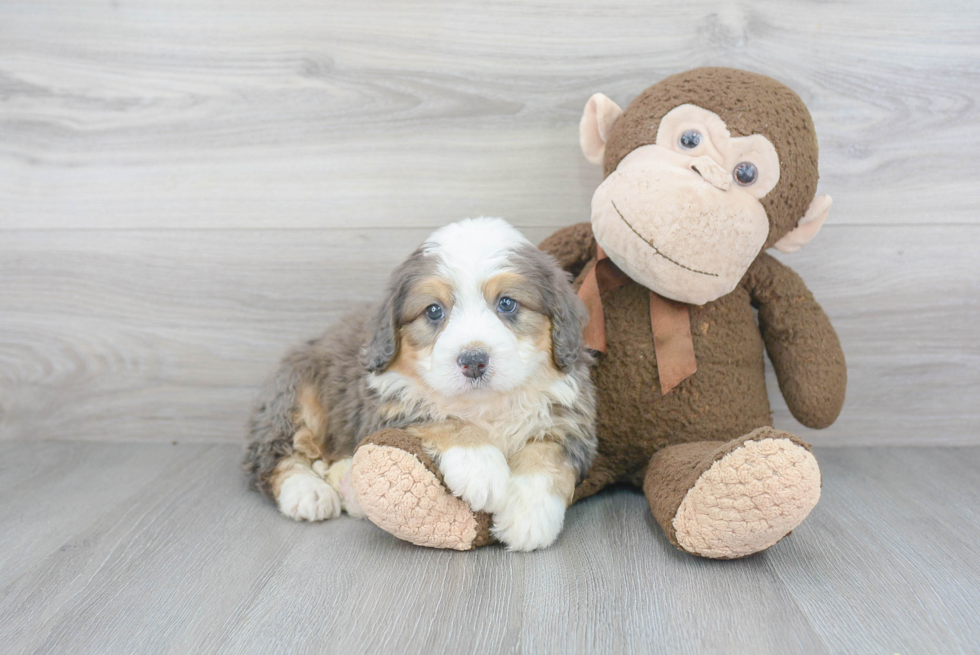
(473, 363)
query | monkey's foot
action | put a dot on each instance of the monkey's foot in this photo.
(747, 495)
(401, 490)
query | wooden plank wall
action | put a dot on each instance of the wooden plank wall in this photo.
(187, 187)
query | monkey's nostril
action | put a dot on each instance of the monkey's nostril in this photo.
(711, 172)
(702, 170)
(473, 363)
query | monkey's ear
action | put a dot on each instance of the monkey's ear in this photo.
(597, 121)
(808, 226)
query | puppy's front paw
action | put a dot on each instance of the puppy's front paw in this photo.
(477, 475)
(532, 515)
(307, 497)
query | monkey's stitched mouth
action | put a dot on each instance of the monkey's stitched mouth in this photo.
(655, 248)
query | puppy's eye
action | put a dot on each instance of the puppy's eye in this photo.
(434, 312)
(745, 173)
(690, 140)
(506, 305)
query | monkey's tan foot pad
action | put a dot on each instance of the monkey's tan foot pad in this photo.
(400, 489)
(750, 498)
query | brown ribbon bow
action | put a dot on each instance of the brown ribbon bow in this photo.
(669, 319)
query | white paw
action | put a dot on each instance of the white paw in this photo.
(532, 516)
(306, 497)
(477, 475)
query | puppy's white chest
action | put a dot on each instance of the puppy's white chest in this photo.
(511, 429)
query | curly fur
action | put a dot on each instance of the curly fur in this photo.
(361, 388)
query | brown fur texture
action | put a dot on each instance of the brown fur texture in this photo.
(727, 397)
(674, 470)
(327, 371)
(749, 103)
(665, 443)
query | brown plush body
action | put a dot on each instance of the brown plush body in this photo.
(704, 170)
(727, 397)
(726, 400)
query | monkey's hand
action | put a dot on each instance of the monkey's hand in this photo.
(801, 343)
(572, 246)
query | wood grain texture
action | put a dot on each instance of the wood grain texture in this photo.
(887, 549)
(189, 561)
(54, 489)
(185, 189)
(121, 335)
(174, 114)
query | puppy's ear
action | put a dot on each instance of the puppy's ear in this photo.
(382, 345)
(568, 319)
(566, 310)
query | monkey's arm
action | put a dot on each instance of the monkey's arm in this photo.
(801, 343)
(572, 246)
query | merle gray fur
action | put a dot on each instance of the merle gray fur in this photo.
(568, 319)
(338, 363)
(332, 364)
(383, 345)
(566, 310)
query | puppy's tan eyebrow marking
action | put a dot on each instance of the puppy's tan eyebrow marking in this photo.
(513, 285)
(423, 294)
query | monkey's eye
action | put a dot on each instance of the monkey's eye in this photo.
(434, 312)
(690, 140)
(506, 305)
(745, 173)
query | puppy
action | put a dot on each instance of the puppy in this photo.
(477, 351)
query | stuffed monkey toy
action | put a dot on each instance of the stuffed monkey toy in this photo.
(704, 171)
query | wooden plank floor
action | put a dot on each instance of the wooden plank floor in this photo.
(125, 548)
